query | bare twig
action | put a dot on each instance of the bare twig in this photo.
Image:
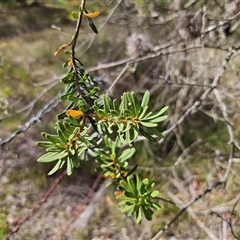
(196, 104)
(193, 215)
(214, 84)
(77, 217)
(35, 119)
(37, 206)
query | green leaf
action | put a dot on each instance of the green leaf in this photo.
(73, 121)
(45, 144)
(69, 166)
(52, 156)
(107, 103)
(115, 105)
(61, 136)
(154, 194)
(155, 206)
(134, 103)
(134, 132)
(52, 138)
(125, 186)
(124, 103)
(145, 181)
(139, 184)
(156, 114)
(155, 132)
(74, 15)
(56, 167)
(91, 24)
(131, 196)
(158, 119)
(142, 112)
(163, 110)
(69, 78)
(147, 213)
(145, 99)
(55, 148)
(132, 185)
(128, 208)
(148, 124)
(139, 216)
(126, 154)
(146, 135)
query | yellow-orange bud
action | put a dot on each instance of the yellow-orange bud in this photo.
(57, 53)
(91, 15)
(73, 113)
(118, 193)
(70, 62)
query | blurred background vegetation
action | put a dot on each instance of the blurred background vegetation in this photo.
(192, 157)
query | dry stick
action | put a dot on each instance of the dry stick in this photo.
(193, 215)
(156, 53)
(196, 105)
(214, 84)
(230, 221)
(31, 105)
(85, 202)
(35, 119)
(224, 22)
(84, 218)
(111, 88)
(37, 207)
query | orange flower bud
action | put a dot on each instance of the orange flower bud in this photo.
(91, 15)
(70, 62)
(112, 176)
(118, 193)
(57, 53)
(73, 113)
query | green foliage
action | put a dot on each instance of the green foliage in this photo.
(103, 128)
(137, 197)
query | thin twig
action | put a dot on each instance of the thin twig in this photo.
(85, 202)
(37, 206)
(74, 42)
(214, 84)
(195, 105)
(35, 119)
(111, 88)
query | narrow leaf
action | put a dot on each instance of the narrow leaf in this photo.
(148, 124)
(145, 100)
(155, 132)
(139, 216)
(126, 154)
(52, 156)
(147, 213)
(91, 24)
(146, 135)
(56, 167)
(69, 166)
(45, 144)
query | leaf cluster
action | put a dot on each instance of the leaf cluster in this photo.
(105, 129)
(137, 197)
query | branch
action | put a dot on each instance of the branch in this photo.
(35, 119)
(37, 206)
(196, 105)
